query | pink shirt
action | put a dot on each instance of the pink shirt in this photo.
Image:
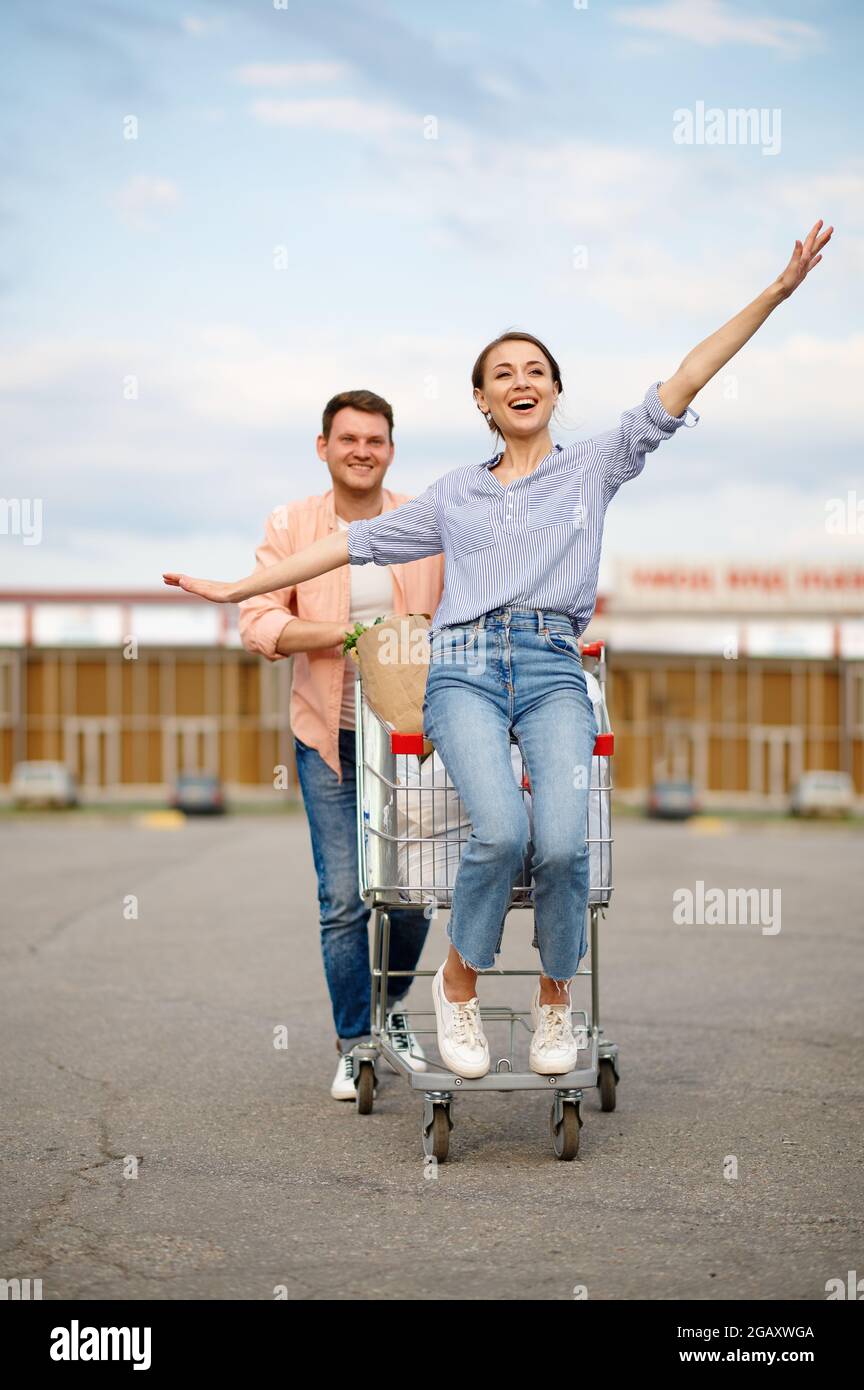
(317, 684)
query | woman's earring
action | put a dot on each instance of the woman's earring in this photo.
(489, 417)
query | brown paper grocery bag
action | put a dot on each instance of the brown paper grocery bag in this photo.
(393, 657)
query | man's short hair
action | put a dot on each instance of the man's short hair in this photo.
(357, 400)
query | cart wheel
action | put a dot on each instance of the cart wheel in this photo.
(365, 1086)
(436, 1141)
(565, 1136)
(607, 1084)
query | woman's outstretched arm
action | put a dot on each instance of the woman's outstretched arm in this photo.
(709, 356)
(328, 553)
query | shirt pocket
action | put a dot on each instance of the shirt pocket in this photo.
(559, 503)
(469, 528)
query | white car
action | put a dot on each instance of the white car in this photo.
(43, 784)
(823, 794)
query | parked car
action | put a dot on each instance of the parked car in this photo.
(198, 794)
(822, 794)
(43, 783)
(672, 801)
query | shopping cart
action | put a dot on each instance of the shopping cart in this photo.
(411, 830)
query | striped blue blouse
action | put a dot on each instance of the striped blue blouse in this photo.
(534, 543)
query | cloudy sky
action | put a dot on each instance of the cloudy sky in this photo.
(214, 217)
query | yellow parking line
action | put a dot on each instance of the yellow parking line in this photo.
(162, 820)
(710, 825)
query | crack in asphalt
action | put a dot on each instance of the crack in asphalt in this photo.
(44, 1217)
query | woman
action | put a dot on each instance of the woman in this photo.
(521, 534)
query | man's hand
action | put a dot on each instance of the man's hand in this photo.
(301, 635)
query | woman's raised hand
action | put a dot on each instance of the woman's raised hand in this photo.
(205, 588)
(804, 257)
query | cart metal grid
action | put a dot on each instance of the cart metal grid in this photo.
(411, 830)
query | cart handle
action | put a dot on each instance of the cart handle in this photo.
(604, 744)
(593, 649)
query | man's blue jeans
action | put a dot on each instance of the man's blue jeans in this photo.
(331, 808)
(519, 669)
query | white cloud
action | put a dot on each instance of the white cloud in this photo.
(733, 518)
(217, 397)
(226, 374)
(839, 197)
(641, 279)
(584, 190)
(712, 22)
(289, 74)
(198, 28)
(803, 380)
(78, 558)
(346, 114)
(466, 192)
(144, 195)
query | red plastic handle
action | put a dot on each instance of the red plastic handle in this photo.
(593, 648)
(604, 745)
(406, 743)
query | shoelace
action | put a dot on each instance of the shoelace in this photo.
(349, 1067)
(556, 1025)
(466, 1024)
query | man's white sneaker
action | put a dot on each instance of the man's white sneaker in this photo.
(461, 1040)
(403, 1041)
(554, 1046)
(343, 1087)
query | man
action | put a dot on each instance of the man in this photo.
(309, 621)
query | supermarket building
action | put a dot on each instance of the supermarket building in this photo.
(737, 676)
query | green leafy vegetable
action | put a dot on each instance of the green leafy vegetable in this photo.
(358, 630)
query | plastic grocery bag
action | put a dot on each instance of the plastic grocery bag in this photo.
(432, 826)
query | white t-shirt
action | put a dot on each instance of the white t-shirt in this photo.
(371, 598)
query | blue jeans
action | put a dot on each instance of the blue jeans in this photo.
(331, 808)
(516, 668)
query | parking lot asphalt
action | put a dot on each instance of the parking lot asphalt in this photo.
(157, 1144)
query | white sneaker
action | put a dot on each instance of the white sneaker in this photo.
(461, 1040)
(554, 1046)
(403, 1041)
(343, 1087)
